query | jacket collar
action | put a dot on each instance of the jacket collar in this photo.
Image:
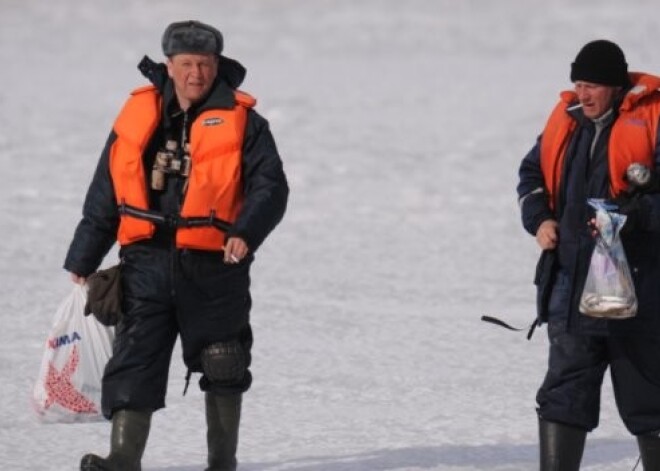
(221, 96)
(230, 75)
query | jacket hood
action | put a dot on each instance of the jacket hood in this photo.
(230, 71)
(220, 96)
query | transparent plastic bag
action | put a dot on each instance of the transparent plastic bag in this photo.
(609, 290)
(68, 388)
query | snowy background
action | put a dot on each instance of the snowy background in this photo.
(401, 125)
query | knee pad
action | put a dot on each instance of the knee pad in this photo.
(224, 362)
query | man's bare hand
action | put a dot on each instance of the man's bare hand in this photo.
(235, 250)
(80, 280)
(547, 235)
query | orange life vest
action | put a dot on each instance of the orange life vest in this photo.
(632, 140)
(214, 184)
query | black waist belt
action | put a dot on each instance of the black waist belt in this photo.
(174, 220)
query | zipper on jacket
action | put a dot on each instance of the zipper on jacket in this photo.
(174, 251)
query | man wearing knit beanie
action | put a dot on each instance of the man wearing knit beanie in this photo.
(607, 125)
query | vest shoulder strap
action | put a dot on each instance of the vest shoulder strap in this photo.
(245, 99)
(139, 117)
(144, 89)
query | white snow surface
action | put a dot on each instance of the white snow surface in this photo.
(401, 125)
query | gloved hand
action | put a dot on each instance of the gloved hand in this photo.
(637, 210)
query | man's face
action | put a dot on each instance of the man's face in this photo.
(595, 99)
(193, 76)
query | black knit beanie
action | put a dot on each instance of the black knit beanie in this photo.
(601, 62)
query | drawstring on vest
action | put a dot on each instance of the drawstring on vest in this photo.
(174, 220)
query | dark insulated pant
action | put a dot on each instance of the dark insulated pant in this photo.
(169, 293)
(570, 393)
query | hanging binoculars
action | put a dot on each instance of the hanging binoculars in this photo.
(170, 161)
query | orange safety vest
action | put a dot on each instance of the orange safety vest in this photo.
(214, 184)
(632, 140)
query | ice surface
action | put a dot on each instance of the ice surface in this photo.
(401, 125)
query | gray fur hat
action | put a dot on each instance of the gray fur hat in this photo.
(192, 37)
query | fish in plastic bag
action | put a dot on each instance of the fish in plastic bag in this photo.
(609, 290)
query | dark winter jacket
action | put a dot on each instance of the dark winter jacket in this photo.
(264, 183)
(562, 272)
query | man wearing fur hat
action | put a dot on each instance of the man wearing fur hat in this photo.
(597, 130)
(189, 183)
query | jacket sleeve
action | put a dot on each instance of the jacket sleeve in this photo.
(97, 230)
(532, 195)
(265, 186)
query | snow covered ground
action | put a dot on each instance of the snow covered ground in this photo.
(401, 124)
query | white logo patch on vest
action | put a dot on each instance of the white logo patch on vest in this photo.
(212, 121)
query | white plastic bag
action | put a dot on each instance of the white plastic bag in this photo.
(77, 349)
(608, 290)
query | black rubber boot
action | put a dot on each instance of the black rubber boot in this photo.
(561, 446)
(223, 415)
(130, 430)
(649, 448)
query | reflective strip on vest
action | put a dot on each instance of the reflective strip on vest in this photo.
(214, 186)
